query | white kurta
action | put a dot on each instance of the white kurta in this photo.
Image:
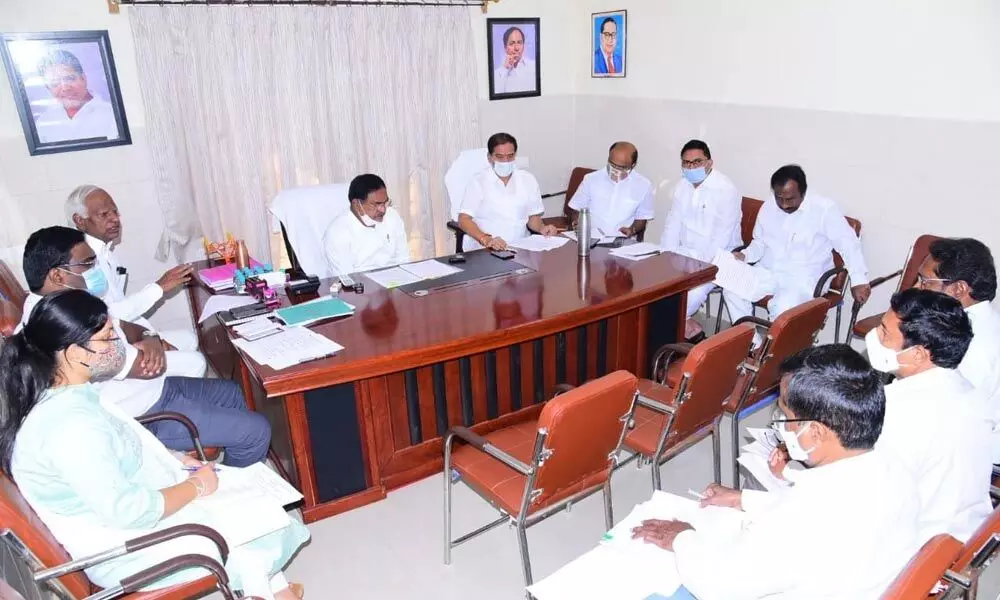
(981, 365)
(844, 531)
(95, 119)
(938, 425)
(614, 205)
(502, 210)
(352, 247)
(519, 79)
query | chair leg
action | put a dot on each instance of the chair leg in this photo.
(836, 331)
(717, 454)
(609, 509)
(718, 315)
(736, 452)
(654, 468)
(447, 500)
(522, 544)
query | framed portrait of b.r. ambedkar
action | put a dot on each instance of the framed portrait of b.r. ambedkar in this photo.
(515, 65)
(609, 44)
(66, 90)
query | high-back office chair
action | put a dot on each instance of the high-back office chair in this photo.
(456, 180)
(304, 214)
(907, 279)
(669, 420)
(794, 330)
(922, 573)
(977, 554)
(10, 287)
(534, 469)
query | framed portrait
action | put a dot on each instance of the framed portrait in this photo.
(609, 44)
(66, 90)
(514, 56)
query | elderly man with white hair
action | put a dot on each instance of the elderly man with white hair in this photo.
(91, 210)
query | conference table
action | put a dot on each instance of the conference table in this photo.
(482, 353)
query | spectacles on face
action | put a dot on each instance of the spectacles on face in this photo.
(380, 205)
(620, 168)
(922, 281)
(609, 35)
(694, 164)
(85, 263)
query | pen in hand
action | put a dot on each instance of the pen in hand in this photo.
(193, 469)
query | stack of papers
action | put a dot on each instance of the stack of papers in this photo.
(221, 277)
(755, 455)
(219, 302)
(290, 347)
(411, 273)
(597, 235)
(313, 311)
(257, 328)
(740, 278)
(539, 243)
(639, 251)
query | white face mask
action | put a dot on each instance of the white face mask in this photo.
(504, 169)
(882, 358)
(791, 439)
(365, 219)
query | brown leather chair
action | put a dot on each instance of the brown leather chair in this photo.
(534, 469)
(794, 330)
(669, 420)
(10, 317)
(907, 279)
(10, 288)
(924, 570)
(977, 554)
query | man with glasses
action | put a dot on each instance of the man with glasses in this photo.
(620, 200)
(370, 235)
(59, 258)
(607, 58)
(704, 215)
(76, 113)
(846, 527)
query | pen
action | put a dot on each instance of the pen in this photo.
(696, 494)
(193, 469)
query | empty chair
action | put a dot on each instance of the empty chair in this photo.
(534, 469)
(963, 576)
(305, 213)
(925, 569)
(669, 419)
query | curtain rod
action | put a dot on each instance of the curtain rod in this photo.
(113, 4)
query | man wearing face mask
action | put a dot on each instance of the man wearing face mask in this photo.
(502, 203)
(704, 214)
(138, 376)
(936, 422)
(370, 235)
(847, 526)
(792, 243)
(620, 200)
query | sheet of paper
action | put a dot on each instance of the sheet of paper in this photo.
(754, 458)
(429, 269)
(640, 251)
(765, 436)
(594, 235)
(740, 278)
(539, 243)
(290, 347)
(392, 277)
(249, 503)
(219, 302)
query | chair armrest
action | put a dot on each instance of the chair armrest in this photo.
(562, 388)
(880, 280)
(481, 443)
(824, 278)
(755, 320)
(459, 235)
(665, 355)
(136, 582)
(183, 420)
(554, 194)
(655, 406)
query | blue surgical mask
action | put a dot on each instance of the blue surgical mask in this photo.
(504, 169)
(695, 176)
(97, 283)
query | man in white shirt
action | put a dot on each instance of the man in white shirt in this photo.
(846, 527)
(936, 423)
(704, 215)
(792, 244)
(619, 199)
(517, 73)
(370, 235)
(964, 269)
(77, 114)
(93, 211)
(502, 203)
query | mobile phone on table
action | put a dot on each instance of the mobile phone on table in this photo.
(503, 254)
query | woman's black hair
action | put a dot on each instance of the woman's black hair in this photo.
(28, 360)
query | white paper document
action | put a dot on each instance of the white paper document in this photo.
(596, 234)
(740, 278)
(292, 346)
(219, 302)
(392, 277)
(539, 243)
(639, 251)
(429, 269)
(754, 457)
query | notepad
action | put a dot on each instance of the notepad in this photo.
(392, 277)
(316, 310)
(639, 251)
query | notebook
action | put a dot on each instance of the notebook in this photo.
(311, 312)
(221, 277)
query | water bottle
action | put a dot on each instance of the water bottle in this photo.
(583, 232)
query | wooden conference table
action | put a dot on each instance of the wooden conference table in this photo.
(484, 354)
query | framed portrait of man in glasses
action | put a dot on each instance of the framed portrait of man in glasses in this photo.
(609, 43)
(66, 90)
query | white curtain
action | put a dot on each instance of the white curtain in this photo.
(243, 101)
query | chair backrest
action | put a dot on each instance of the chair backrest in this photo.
(10, 318)
(17, 516)
(711, 370)
(305, 213)
(921, 248)
(840, 280)
(751, 207)
(983, 535)
(584, 425)
(456, 180)
(575, 179)
(10, 287)
(918, 578)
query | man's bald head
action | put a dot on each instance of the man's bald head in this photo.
(623, 154)
(92, 210)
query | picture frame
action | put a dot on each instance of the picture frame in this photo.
(524, 78)
(609, 44)
(65, 87)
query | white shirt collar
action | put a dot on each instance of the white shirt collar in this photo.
(979, 309)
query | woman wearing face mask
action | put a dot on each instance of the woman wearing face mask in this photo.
(502, 204)
(94, 476)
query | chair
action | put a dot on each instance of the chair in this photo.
(921, 574)
(832, 285)
(304, 214)
(534, 469)
(794, 330)
(907, 279)
(669, 420)
(977, 554)
(456, 180)
(10, 287)
(10, 318)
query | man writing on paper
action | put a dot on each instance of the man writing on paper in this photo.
(370, 235)
(847, 526)
(704, 215)
(502, 203)
(620, 200)
(792, 244)
(93, 211)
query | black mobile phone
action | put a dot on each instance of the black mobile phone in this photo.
(456, 259)
(503, 254)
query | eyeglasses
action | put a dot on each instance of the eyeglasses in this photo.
(693, 164)
(620, 168)
(921, 280)
(609, 34)
(380, 205)
(86, 263)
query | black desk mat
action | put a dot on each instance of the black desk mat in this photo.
(479, 266)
